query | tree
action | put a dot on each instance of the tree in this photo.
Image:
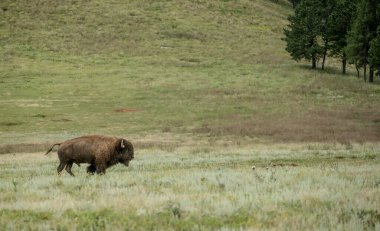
(328, 8)
(363, 31)
(374, 52)
(302, 34)
(374, 22)
(339, 25)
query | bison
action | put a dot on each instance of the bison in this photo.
(100, 152)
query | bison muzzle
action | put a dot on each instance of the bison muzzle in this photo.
(100, 152)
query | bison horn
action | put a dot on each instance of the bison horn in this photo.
(122, 144)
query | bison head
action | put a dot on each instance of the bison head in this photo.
(125, 150)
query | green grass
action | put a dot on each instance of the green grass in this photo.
(304, 188)
(190, 68)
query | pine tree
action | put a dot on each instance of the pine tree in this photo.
(362, 33)
(304, 30)
(373, 26)
(339, 25)
(328, 8)
(374, 52)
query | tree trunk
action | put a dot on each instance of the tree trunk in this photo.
(324, 59)
(344, 65)
(314, 62)
(357, 70)
(370, 74)
(365, 72)
(324, 54)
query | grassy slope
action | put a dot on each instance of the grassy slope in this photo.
(187, 67)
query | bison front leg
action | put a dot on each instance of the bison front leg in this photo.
(91, 169)
(100, 167)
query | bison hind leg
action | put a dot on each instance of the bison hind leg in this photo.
(91, 169)
(61, 166)
(68, 168)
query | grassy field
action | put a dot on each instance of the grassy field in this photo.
(204, 90)
(292, 187)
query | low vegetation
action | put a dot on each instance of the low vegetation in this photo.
(312, 187)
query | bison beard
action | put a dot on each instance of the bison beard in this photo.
(101, 152)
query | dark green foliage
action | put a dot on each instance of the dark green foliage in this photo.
(302, 34)
(327, 10)
(339, 26)
(321, 22)
(363, 31)
(374, 52)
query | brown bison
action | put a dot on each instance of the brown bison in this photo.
(100, 152)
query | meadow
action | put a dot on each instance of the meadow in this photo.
(204, 90)
(293, 187)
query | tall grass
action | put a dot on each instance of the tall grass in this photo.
(291, 188)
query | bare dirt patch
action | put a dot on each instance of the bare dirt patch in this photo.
(127, 110)
(11, 124)
(340, 125)
(284, 165)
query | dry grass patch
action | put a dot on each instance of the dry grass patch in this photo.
(345, 126)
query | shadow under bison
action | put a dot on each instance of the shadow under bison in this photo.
(101, 152)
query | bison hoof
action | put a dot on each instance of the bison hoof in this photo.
(91, 169)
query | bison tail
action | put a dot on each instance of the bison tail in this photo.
(52, 148)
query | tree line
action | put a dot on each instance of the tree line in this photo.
(345, 29)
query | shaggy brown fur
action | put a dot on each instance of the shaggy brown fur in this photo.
(100, 152)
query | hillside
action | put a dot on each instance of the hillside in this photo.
(194, 30)
(195, 69)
